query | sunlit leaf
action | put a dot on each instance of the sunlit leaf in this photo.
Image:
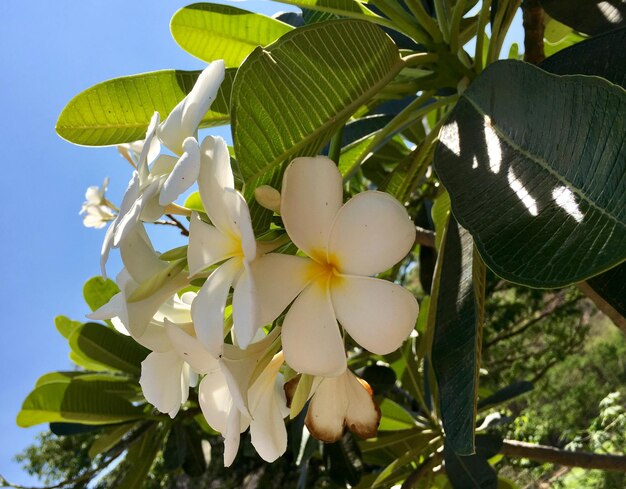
(289, 98)
(211, 31)
(97, 291)
(75, 402)
(119, 110)
(108, 347)
(536, 176)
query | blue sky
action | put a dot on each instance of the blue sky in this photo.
(52, 50)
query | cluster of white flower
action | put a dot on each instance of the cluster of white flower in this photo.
(252, 359)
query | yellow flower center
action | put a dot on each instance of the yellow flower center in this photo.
(324, 269)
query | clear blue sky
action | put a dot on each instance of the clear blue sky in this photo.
(50, 51)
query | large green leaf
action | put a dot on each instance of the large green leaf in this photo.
(473, 471)
(109, 384)
(456, 342)
(108, 347)
(596, 56)
(77, 402)
(119, 110)
(210, 31)
(289, 98)
(535, 173)
(588, 16)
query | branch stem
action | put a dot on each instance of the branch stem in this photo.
(545, 454)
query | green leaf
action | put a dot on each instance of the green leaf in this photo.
(595, 56)
(210, 31)
(109, 438)
(473, 471)
(387, 447)
(291, 97)
(400, 464)
(174, 254)
(58, 377)
(456, 347)
(535, 175)
(394, 417)
(75, 402)
(194, 202)
(108, 347)
(588, 16)
(346, 8)
(65, 325)
(70, 429)
(140, 458)
(119, 110)
(97, 291)
(154, 283)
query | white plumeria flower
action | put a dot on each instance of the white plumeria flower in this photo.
(97, 211)
(229, 239)
(141, 263)
(165, 374)
(337, 403)
(160, 178)
(230, 401)
(345, 244)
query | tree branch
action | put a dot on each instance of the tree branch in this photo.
(424, 237)
(604, 306)
(545, 454)
(533, 31)
(548, 310)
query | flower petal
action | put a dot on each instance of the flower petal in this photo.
(208, 245)
(163, 165)
(138, 255)
(154, 338)
(310, 335)
(132, 217)
(137, 315)
(184, 119)
(130, 196)
(190, 349)
(215, 400)
(150, 149)
(246, 314)
(372, 232)
(226, 207)
(379, 315)
(311, 196)
(231, 436)
(203, 94)
(208, 307)
(184, 174)
(325, 418)
(269, 406)
(161, 381)
(279, 279)
(363, 414)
